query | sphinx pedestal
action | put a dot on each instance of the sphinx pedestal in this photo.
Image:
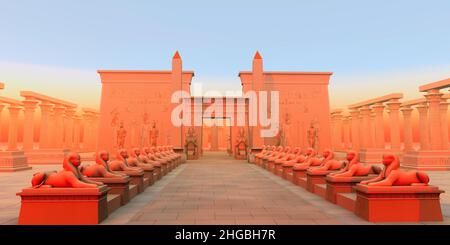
(46, 156)
(299, 177)
(313, 179)
(336, 185)
(11, 161)
(288, 173)
(137, 178)
(398, 203)
(427, 160)
(63, 206)
(253, 152)
(180, 151)
(119, 186)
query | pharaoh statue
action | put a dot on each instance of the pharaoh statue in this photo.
(191, 144)
(115, 125)
(145, 128)
(241, 142)
(121, 136)
(153, 133)
(313, 136)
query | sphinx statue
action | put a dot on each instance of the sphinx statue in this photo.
(310, 159)
(100, 168)
(138, 160)
(355, 168)
(69, 177)
(121, 163)
(328, 163)
(392, 175)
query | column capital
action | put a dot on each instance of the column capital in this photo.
(14, 109)
(70, 113)
(46, 106)
(354, 113)
(393, 105)
(59, 110)
(378, 107)
(434, 96)
(30, 104)
(365, 110)
(406, 110)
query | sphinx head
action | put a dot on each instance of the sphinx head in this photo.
(122, 154)
(74, 159)
(102, 156)
(351, 155)
(309, 151)
(388, 159)
(296, 150)
(327, 152)
(287, 149)
(136, 151)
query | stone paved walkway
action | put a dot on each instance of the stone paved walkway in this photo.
(216, 189)
(220, 190)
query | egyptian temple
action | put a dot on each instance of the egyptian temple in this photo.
(381, 159)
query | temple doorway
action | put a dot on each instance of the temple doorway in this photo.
(216, 134)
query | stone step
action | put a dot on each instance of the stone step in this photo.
(133, 191)
(113, 202)
(301, 182)
(320, 190)
(147, 182)
(346, 200)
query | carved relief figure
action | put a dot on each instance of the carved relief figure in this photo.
(313, 136)
(121, 135)
(145, 128)
(115, 125)
(154, 132)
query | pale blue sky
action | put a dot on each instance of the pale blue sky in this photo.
(354, 39)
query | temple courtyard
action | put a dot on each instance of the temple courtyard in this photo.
(217, 189)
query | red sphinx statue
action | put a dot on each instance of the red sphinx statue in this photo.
(392, 175)
(101, 168)
(69, 177)
(121, 163)
(328, 163)
(355, 168)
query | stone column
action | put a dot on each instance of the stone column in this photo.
(355, 129)
(365, 133)
(379, 125)
(68, 134)
(28, 127)
(407, 128)
(87, 132)
(59, 126)
(95, 133)
(434, 99)
(423, 125)
(1, 109)
(51, 130)
(444, 124)
(372, 130)
(76, 132)
(394, 106)
(44, 138)
(332, 130)
(346, 132)
(338, 130)
(13, 123)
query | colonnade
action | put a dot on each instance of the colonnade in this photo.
(363, 126)
(61, 124)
